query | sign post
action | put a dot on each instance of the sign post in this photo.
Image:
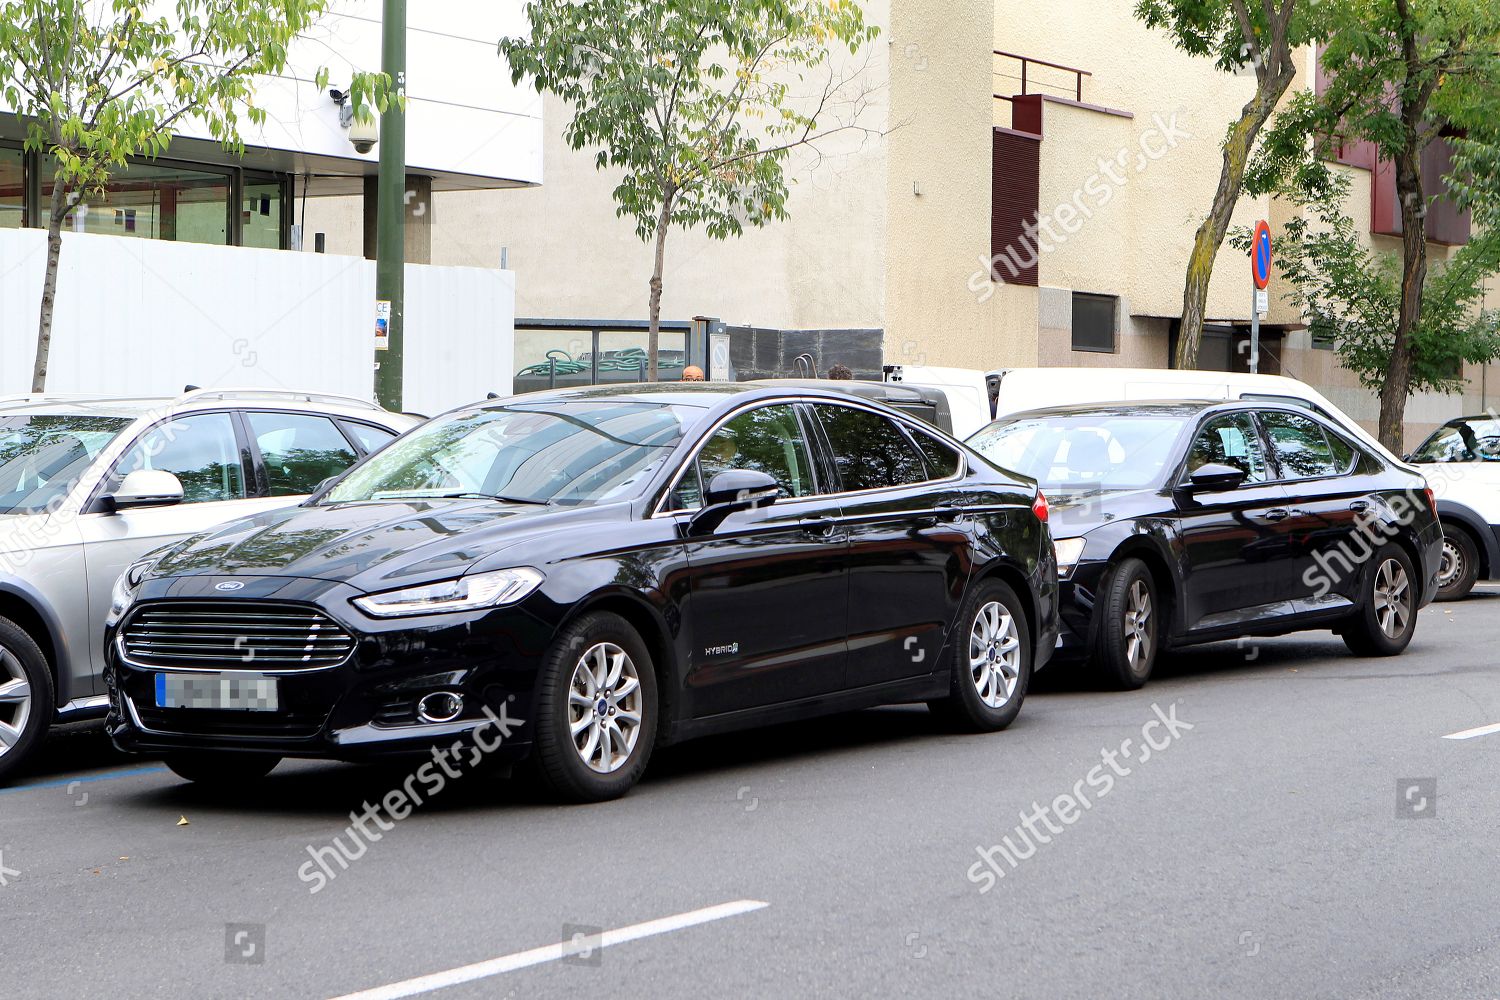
(1260, 275)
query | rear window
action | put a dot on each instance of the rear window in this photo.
(1302, 449)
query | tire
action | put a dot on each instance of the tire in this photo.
(1127, 637)
(586, 656)
(1460, 567)
(1387, 615)
(220, 768)
(27, 702)
(991, 662)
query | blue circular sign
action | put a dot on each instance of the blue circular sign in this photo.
(1260, 255)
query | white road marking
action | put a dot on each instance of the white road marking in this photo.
(554, 952)
(1469, 734)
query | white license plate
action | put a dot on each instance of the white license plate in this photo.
(217, 691)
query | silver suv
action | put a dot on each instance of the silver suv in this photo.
(89, 485)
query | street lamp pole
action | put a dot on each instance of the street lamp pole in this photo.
(390, 219)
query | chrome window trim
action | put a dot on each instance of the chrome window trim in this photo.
(901, 419)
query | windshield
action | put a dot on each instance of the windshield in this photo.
(570, 454)
(1465, 441)
(1105, 450)
(42, 456)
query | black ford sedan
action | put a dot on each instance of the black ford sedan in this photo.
(590, 574)
(1186, 522)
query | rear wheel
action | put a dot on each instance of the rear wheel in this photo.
(1126, 645)
(595, 710)
(220, 768)
(1387, 615)
(26, 699)
(1460, 565)
(991, 662)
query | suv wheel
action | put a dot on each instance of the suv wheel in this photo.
(220, 768)
(595, 710)
(991, 662)
(1460, 566)
(1387, 614)
(26, 699)
(1129, 625)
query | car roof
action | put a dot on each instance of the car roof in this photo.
(700, 394)
(193, 400)
(1163, 407)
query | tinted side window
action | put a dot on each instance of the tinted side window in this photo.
(1230, 440)
(768, 439)
(200, 450)
(299, 450)
(1343, 452)
(869, 451)
(1302, 450)
(942, 461)
(370, 437)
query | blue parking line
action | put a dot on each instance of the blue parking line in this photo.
(84, 780)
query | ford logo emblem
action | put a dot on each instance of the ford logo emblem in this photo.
(229, 585)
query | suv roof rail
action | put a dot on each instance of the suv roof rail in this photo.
(289, 395)
(23, 398)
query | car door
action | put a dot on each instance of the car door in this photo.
(1328, 491)
(908, 544)
(768, 591)
(203, 450)
(1236, 544)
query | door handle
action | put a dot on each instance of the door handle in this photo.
(819, 526)
(1278, 514)
(1360, 506)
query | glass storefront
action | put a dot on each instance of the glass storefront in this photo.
(547, 358)
(12, 188)
(155, 200)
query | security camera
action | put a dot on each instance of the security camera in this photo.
(364, 131)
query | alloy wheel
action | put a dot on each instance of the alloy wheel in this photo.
(994, 654)
(1392, 598)
(1138, 626)
(1452, 566)
(15, 700)
(604, 707)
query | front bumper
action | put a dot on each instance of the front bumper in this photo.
(363, 707)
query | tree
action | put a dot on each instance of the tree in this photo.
(691, 100)
(1400, 75)
(1233, 33)
(1353, 293)
(96, 82)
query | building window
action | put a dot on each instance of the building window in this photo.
(1321, 333)
(12, 188)
(153, 202)
(260, 214)
(1094, 321)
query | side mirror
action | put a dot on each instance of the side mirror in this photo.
(730, 492)
(1213, 477)
(145, 488)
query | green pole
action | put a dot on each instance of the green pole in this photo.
(390, 220)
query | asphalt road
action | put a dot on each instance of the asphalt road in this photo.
(1313, 834)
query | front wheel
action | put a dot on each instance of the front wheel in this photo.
(220, 768)
(1387, 615)
(991, 662)
(595, 710)
(26, 701)
(1460, 566)
(1128, 626)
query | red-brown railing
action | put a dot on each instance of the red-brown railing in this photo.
(1027, 62)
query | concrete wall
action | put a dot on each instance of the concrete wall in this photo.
(148, 317)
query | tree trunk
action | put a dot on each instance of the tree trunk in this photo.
(653, 338)
(1210, 236)
(1397, 386)
(58, 210)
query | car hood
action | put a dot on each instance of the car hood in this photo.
(1073, 512)
(371, 546)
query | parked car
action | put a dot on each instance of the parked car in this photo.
(1186, 522)
(924, 402)
(617, 567)
(1462, 461)
(89, 484)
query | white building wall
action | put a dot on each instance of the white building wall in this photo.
(146, 318)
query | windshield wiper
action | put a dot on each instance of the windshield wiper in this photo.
(477, 495)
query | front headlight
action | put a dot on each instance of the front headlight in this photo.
(467, 593)
(1069, 551)
(123, 594)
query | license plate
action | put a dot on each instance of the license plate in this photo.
(217, 691)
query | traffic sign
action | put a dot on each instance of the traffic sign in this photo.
(1260, 255)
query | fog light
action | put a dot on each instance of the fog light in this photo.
(440, 706)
